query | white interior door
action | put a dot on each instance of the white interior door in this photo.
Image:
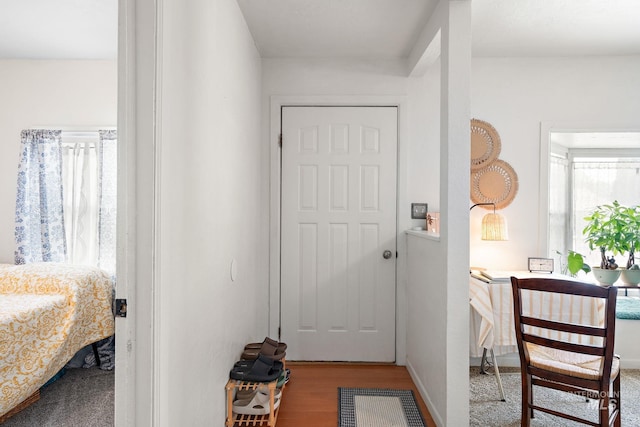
(338, 289)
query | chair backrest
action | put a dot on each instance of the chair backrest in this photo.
(533, 327)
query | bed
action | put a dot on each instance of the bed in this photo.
(48, 311)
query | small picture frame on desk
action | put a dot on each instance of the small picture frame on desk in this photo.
(540, 265)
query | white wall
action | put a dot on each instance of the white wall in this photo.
(426, 335)
(424, 150)
(211, 210)
(47, 93)
(437, 269)
(515, 95)
(333, 77)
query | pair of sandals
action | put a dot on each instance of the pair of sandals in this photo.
(262, 369)
(269, 348)
(255, 402)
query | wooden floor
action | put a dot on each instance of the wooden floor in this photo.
(310, 399)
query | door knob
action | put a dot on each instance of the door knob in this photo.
(386, 254)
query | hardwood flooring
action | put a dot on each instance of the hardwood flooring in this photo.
(310, 399)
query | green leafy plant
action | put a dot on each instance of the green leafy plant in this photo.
(573, 263)
(613, 228)
(629, 223)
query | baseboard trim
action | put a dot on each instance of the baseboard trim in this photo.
(424, 394)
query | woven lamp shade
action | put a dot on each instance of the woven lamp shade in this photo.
(494, 227)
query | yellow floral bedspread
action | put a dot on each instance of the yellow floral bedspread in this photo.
(48, 312)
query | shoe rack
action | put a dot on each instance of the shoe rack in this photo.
(241, 420)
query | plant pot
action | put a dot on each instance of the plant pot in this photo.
(604, 276)
(630, 277)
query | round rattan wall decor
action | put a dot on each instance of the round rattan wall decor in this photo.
(485, 144)
(496, 183)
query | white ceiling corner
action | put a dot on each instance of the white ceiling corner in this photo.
(336, 28)
(536, 28)
(87, 29)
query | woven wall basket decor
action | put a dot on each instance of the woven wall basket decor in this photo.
(485, 144)
(496, 183)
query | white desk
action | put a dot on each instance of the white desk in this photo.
(492, 324)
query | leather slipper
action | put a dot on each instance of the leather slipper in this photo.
(262, 369)
(275, 352)
(256, 345)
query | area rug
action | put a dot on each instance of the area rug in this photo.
(377, 407)
(486, 409)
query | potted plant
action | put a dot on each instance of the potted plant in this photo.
(628, 219)
(573, 263)
(603, 231)
(613, 228)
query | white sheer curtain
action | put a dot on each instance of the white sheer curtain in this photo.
(558, 205)
(89, 188)
(108, 200)
(579, 184)
(81, 197)
(597, 182)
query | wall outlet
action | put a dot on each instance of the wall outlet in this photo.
(418, 210)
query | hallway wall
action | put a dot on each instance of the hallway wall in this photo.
(212, 236)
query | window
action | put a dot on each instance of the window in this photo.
(66, 198)
(586, 175)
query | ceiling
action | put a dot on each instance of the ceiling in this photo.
(389, 28)
(336, 28)
(87, 29)
(58, 29)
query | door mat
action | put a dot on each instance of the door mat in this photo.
(377, 407)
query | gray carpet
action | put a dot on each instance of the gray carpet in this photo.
(81, 398)
(486, 409)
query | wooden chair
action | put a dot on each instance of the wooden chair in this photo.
(587, 370)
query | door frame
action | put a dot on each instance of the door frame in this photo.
(403, 213)
(137, 336)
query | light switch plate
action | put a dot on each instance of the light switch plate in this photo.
(418, 210)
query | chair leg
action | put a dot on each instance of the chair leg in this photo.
(604, 409)
(531, 397)
(527, 412)
(617, 400)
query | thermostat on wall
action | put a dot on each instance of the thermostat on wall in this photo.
(418, 210)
